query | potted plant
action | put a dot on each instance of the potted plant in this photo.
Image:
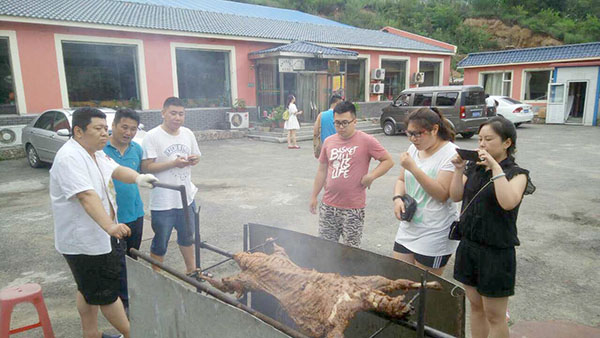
(239, 105)
(276, 117)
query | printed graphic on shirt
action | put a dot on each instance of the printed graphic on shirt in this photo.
(340, 161)
(178, 150)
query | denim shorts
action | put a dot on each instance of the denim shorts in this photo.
(163, 222)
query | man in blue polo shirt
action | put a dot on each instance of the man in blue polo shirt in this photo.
(130, 209)
(324, 127)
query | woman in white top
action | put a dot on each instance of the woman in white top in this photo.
(291, 125)
(426, 175)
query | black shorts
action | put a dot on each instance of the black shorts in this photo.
(490, 270)
(97, 277)
(434, 262)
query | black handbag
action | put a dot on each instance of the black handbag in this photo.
(454, 233)
(410, 207)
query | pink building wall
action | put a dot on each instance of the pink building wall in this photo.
(39, 64)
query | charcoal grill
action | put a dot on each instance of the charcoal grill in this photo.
(437, 313)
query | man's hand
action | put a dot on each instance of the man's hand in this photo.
(366, 180)
(313, 205)
(119, 230)
(193, 159)
(146, 181)
(180, 162)
(407, 162)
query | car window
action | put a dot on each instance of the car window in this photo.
(473, 98)
(61, 122)
(45, 121)
(423, 99)
(446, 99)
(511, 101)
(403, 100)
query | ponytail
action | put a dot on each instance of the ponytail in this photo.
(429, 117)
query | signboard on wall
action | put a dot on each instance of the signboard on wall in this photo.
(290, 65)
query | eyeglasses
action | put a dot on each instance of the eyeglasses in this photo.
(344, 123)
(416, 134)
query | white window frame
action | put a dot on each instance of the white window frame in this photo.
(15, 63)
(398, 58)
(141, 66)
(512, 77)
(212, 48)
(367, 58)
(441, 61)
(523, 84)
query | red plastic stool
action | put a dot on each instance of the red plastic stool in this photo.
(10, 297)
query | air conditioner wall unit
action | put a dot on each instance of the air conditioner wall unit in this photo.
(10, 136)
(238, 120)
(377, 88)
(418, 77)
(377, 74)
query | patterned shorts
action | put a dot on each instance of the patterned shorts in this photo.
(348, 223)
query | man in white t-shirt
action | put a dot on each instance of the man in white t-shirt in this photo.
(170, 151)
(490, 105)
(83, 203)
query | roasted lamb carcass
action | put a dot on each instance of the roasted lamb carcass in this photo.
(321, 304)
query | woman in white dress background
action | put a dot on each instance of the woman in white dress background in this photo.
(291, 125)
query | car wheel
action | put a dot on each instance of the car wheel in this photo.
(32, 157)
(389, 128)
(467, 135)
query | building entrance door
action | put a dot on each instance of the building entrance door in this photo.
(576, 102)
(555, 108)
(312, 94)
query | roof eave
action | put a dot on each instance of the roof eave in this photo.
(300, 55)
(529, 63)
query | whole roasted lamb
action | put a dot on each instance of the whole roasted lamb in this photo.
(321, 304)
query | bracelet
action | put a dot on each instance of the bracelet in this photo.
(497, 177)
(396, 197)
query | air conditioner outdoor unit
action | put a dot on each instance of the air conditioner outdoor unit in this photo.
(238, 120)
(377, 74)
(10, 136)
(418, 77)
(377, 88)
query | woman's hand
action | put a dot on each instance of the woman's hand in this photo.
(407, 162)
(398, 208)
(487, 159)
(458, 162)
(299, 112)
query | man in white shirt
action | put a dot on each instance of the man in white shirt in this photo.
(83, 204)
(490, 105)
(170, 151)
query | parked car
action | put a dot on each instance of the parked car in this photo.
(513, 110)
(48, 132)
(463, 106)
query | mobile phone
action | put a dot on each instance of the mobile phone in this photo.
(469, 155)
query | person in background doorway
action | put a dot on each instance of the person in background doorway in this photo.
(170, 151)
(344, 172)
(324, 126)
(83, 203)
(130, 209)
(292, 124)
(425, 176)
(486, 259)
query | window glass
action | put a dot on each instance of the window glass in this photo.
(267, 84)
(61, 122)
(431, 71)
(7, 91)
(395, 78)
(536, 85)
(446, 99)
(203, 77)
(101, 74)
(497, 83)
(45, 121)
(422, 99)
(355, 80)
(473, 98)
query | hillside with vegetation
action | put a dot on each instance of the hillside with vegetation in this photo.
(472, 25)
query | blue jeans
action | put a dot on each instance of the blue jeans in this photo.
(163, 222)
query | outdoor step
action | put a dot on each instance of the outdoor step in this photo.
(305, 134)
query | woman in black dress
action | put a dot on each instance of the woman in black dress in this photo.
(491, 191)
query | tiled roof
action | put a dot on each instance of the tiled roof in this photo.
(231, 7)
(302, 47)
(528, 55)
(136, 15)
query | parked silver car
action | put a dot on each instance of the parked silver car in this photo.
(48, 132)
